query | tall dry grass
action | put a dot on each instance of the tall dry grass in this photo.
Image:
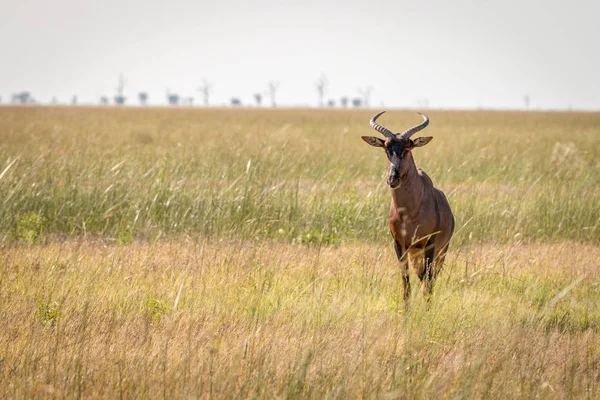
(236, 320)
(148, 253)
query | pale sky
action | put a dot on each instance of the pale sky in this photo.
(456, 54)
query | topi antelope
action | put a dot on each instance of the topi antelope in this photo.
(421, 221)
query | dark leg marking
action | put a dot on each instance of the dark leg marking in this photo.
(404, 267)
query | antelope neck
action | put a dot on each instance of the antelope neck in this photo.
(409, 196)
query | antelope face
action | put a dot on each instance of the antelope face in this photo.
(397, 153)
(397, 148)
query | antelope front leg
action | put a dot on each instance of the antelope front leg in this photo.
(403, 270)
(428, 276)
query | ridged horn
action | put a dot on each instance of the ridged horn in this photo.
(384, 131)
(409, 132)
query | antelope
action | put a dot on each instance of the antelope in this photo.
(421, 221)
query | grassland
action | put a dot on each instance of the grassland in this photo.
(290, 175)
(244, 253)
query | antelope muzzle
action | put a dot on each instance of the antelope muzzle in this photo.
(393, 179)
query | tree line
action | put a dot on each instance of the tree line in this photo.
(205, 89)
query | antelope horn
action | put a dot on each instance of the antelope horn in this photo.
(386, 132)
(409, 132)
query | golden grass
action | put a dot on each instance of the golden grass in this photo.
(210, 318)
(184, 253)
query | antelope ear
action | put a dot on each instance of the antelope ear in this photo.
(373, 141)
(422, 141)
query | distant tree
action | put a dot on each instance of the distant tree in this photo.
(74, 100)
(344, 101)
(23, 97)
(527, 100)
(258, 99)
(172, 98)
(54, 100)
(104, 100)
(143, 97)
(235, 102)
(188, 101)
(356, 102)
(205, 89)
(321, 86)
(365, 94)
(330, 103)
(272, 87)
(0, 99)
(119, 97)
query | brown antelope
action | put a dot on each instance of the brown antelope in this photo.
(421, 221)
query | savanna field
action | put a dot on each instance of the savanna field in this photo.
(244, 253)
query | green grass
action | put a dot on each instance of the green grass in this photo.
(179, 253)
(294, 175)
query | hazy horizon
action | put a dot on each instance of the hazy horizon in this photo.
(460, 55)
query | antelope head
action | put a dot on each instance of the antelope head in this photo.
(397, 147)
